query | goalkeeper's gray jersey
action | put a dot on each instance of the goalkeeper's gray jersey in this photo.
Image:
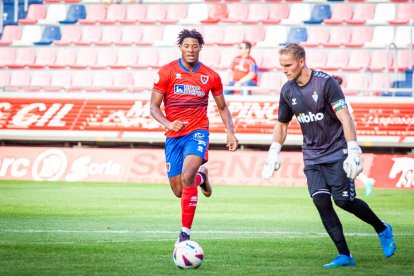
(314, 106)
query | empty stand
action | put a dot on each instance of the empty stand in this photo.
(256, 13)
(356, 84)
(362, 13)
(360, 36)
(254, 33)
(60, 81)
(127, 57)
(237, 12)
(4, 78)
(404, 36)
(336, 60)
(19, 80)
(316, 37)
(382, 37)
(35, 12)
(50, 34)
(296, 35)
(131, 35)
(115, 13)
(39, 80)
(45, 57)
(175, 13)
(110, 35)
(80, 80)
(70, 35)
(135, 13)
(232, 35)
(275, 35)
(122, 82)
(7, 56)
(384, 12)
(151, 34)
(106, 58)
(90, 35)
(404, 13)
(341, 12)
(270, 83)
(148, 57)
(380, 60)
(55, 14)
(299, 12)
(94, 14)
(24, 57)
(216, 12)
(277, 13)
(10, 34)
(75, 13)
(143, 80)
(155, 13)
(338, 36)
(358, 61)
(316, 59)
(213, 34)
(85, 57)
(30, 34)
(319, 13)
(65, 57)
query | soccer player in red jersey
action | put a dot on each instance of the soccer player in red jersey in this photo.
(184, 86)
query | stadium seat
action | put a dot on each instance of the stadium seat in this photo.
(75, 13)
(80, 81)
(85, 57)
(143, 80)
(90, 35)
(226, 57)
(197, 12)
(10, 34)
(232, 35)
(8, 14)
(299, 12)
(50, 34)
(19, 80)
(106, 57)
(45, 57)
(70, 35)
(60, 81)
(122, 82)
(216, 12)
(274, 36)
(94, 14)
(170, 35)
(316, 59)
(7, 56)
(381, 37)
(151, 34)
(257, 13)
(356, 84)
(55, 14)
(110, 35)
(338, 36)
(269, 60)
(4, 79)
(340, 13)
(384, 12)
(254, 33)
(175, 13)
(381, 83)
(114, 14)
(24, 57)
(380, 61)
(296, 35)
(404, 14)
(30, 34)
(270, 83)
(359, 60)
(101, 80)
(127, 57)
(39, 80)
(131, 35)
(277, 13)
(147, 58)
(65, 57)
(316, 36)
(362, 13)
(237, 12)
(155, 13)
(35, 12)
(360, 36)
(167, 55)
(213, 35)
(401, 61)
(319, 13)
(134, 14)
(336, 60)
(210, 56)
(404, 35)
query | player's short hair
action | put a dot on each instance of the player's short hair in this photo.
(338, 79)
(247, 43)
(293, 49)
(192, 34)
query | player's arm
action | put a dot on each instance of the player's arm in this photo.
(347, 123)
(157, 114)
(227, 120)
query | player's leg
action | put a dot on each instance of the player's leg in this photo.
(203, 181)
(322, 199)
(344, 195)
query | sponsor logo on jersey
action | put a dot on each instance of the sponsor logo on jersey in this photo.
(310, 117)
(204, 79)
(168, 166)
(198, 135)
(185, 89)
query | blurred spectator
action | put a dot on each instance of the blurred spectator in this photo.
(243, 71)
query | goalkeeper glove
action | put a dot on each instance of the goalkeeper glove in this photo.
(273, 161)
(353, 163)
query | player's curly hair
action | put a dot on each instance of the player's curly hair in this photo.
(293, 49)
(193, 34)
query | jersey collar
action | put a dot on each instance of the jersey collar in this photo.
(185, 69)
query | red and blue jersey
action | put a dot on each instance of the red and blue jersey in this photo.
(186, 94)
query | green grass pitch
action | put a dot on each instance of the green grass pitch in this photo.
(130, 229)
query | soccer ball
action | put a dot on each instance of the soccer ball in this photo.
(188, 254)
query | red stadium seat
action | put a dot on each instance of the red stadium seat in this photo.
(127, 57)
(381, 82)
(340, 13)
(45, 57)
(197, 12)
(90, 35)
(384, 12)
(232, 35)
(216, 12)
(405, 13)
(24, 57)
(155, 13)
(237, 12)
(131, 35)
(148, 57)
(213, 35)
(60, 81)
(255, 33)
(269, 61)
(380, 61)
(7, 56)
(356, 84)
(106, 58)
(4, 79)
(402, 61)
(70, 35)
(110, 35)
(30, 34)
(65, 58)
(338, 36)
(143, 80)
(359, 60)
(101, 80)
(39, 80)
(151, 34)
(167, 55)
(80, 80)
(86, 57)
(362, 13)
(316, 59)
(175, 13)
(270, 83)
(257, 13)
(115, 13)
(94, 14)
(10, 34)
(122, 82)
(210, 57)
(336, 60)
(135, 13)
(19, 80)
(35, 12)
(316, 36)
(360, 36)
(277, 13)
(226, 57)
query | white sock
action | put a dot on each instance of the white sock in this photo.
(186, 230)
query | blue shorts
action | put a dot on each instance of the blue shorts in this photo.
(177, 148)
(330, 178)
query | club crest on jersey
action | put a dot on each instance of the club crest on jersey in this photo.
(204, 79)
(294, 101)
(178, 76)
(315, 96)
(168, 167)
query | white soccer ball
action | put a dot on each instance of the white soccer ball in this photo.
(188, 254)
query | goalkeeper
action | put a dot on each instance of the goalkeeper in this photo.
(331, 153)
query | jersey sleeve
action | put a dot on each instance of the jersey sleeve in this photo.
(161, 80)
(334, 94)
(217, 88)
(285, 113)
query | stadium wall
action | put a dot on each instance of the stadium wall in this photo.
(242, 167)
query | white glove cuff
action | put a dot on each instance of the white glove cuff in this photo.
(276, 147)
(354, 148)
